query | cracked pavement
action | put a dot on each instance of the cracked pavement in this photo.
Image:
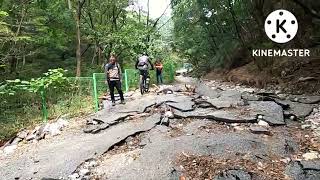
(213, 123)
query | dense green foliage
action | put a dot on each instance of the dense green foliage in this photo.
(54, 78)
(73, 38)
(27, 103)
(220, 34)
(37, 35)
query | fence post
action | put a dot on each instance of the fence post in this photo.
(95, 93)
(44, 104)
(126, 79)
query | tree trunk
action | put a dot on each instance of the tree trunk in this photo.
(69, 4)
(139, 15)
(99, 55)
(233, 15)
(148, 15)
(24, 55)
(13, 63)
(148, 19)
(78, 51)
(94, 54)
(23, 60)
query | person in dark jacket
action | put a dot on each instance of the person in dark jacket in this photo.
(114, 78)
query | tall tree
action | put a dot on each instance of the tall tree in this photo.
(79, 6)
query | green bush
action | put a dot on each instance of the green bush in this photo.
(22, 101)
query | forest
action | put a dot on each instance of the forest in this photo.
(37, 35)
(234, 91)
(44, 43)
(40, 35)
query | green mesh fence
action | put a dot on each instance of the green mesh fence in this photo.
(100, 88)
(131, 79)
(80, 96)
(17, 111)
(26, 109)
(73, 99)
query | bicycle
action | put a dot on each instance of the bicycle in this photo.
(144, 82)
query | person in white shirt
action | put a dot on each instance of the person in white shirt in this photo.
(114, 78)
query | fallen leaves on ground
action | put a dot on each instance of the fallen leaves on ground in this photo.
(207, 167)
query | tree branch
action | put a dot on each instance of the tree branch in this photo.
(156, 22)
(307, 9)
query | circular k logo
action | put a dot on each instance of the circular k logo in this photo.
(281, 26)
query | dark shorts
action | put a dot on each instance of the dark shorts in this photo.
(144, 73)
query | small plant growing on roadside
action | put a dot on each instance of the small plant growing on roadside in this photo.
(54, 78)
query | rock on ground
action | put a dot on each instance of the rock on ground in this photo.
(259, 130)
(234, 175)
(297, 170)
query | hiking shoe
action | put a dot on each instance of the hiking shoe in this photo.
(122, 102)
(113, 103)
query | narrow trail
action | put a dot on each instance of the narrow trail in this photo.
(193, 130)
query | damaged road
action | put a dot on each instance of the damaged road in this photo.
(203, 130)
(62, 156)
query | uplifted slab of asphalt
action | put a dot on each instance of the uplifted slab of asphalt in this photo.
(223, 103)
(60, 158)
(300, 110)
(204, 90)
(138, 105)
(108, 117)
(305, 99)
(156, 159)
(271, 111)
(219, 98)
(111, 117)
(180, 102)
(227, 115)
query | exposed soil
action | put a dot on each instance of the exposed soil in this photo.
(294, 75)
(214, 127)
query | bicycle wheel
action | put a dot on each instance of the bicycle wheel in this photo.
(141, 85)
(146, 86)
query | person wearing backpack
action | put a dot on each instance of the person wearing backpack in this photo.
(114, 78)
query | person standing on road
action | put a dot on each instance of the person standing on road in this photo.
(159, 68)
(114, 78)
